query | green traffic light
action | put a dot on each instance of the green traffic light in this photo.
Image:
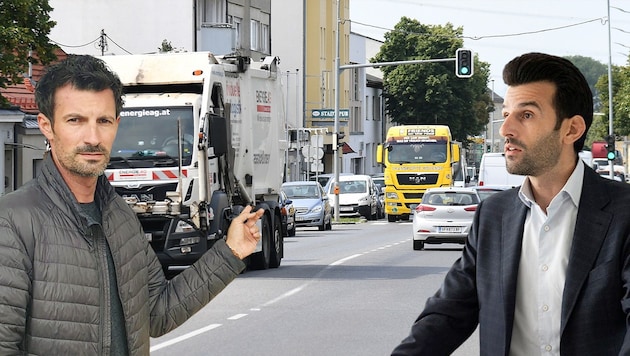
(611, 156)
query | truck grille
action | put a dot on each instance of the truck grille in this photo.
(147, 193)
(417, 178)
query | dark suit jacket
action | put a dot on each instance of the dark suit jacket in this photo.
(480, 288)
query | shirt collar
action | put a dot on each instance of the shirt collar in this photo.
(573, 187)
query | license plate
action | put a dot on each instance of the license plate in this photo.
(457, 229)
(299, 218)
(148, 236)
(346, 208)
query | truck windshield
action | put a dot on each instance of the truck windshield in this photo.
(149, 134)
(418, 152)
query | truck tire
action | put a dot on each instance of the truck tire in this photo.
(276, 244)
(391, 218)
(261, 260)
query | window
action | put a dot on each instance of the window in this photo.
(236, 24)
(264, 39)
(213, 11)
(376, 108)
(254, 35)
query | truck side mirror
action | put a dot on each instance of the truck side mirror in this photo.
(218, 134)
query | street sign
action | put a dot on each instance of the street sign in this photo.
(312, 152)
(323, 114)
(317, 141)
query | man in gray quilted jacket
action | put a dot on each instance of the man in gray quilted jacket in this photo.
(77, 276)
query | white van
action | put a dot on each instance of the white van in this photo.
(358, 196)
(492, 171)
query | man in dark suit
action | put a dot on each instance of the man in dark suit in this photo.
(546, 268)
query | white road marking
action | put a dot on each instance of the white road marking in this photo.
(275, 300)
(184, 337)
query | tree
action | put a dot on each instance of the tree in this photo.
(592, 71)
(430, 93)
(24, 29)
(621, 105)
(166, 46)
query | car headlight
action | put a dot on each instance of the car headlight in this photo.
(316, 209)
(391, 195)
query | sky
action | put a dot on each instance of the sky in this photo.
(499, 30)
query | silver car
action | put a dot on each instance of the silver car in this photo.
(311, 204)
(444, 215)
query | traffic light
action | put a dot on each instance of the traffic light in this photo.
(610, 146)
(340, 137)
(463, 63)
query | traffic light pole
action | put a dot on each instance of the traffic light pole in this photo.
(611, 164)
(338, 68)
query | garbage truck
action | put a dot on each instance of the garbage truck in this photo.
(200, 137)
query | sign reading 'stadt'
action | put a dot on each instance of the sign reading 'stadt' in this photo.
(329, 113)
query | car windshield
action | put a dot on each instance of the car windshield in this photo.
(353, 186)
(301, 192)
(148, 137)
(485, 193)
(450, 198)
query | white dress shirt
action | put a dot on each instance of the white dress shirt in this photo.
(542, 270)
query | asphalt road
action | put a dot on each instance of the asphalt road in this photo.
(354, 290)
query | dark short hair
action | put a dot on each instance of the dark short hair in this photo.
(573, 94)
(83, 72)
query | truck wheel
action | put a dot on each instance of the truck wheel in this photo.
(276, 244)
(260, 260)
(391, 218)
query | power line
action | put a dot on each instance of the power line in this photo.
(100, 41)
(601, 19)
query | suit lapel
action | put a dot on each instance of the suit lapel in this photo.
(590, 231)
(511, 245)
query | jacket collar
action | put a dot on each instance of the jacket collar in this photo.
(53, 185)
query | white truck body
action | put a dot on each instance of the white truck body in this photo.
(492, 171)
(200, 137)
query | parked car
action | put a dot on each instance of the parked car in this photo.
(357, 196)
(444, 215)
(287, 210)
(326, 178)
(312, 208)
(379, 181)
(484, 191)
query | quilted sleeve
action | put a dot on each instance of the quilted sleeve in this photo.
(172, 303)
(15, 284)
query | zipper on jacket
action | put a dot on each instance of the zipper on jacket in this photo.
(104, 302)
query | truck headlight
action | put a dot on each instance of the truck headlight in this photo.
(391, 195)
(183, 226)
(189, 241)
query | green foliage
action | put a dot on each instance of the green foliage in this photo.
(592, 71)
(166, 46)
(430, 93)
(24, 26)
(621, 105)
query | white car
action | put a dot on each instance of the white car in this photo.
(444, 215)
(357, 196)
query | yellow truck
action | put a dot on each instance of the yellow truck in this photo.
(415, 158)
